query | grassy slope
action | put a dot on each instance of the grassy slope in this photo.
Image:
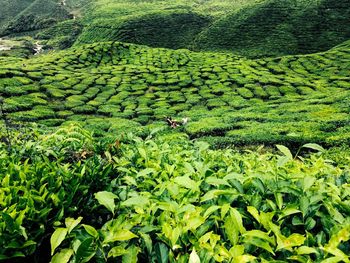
(117, 88)
(253, 28)
(151, 22)
(10, 8)
(37, 15)
(280, 27)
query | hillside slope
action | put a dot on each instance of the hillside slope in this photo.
(280, 27)
(10, 9)
(115, 87)
(250, 28)
(33, 15)
(253, 28)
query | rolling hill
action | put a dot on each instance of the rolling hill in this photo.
(250, 28)
(29, 16)
(174, 131)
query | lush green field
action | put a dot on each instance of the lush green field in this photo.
(21, 16)
(166, 199)
(90, 170)
(253, 28)
(229, 100)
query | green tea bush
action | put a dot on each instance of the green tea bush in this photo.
(84, 109)
(215, 206)
(245, 93)
(208, 126)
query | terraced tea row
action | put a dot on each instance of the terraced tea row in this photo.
(111, 86)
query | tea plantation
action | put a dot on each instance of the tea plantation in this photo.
(165, 199)
(117, 87)
(195, 131)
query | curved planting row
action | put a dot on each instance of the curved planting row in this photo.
(115, 81)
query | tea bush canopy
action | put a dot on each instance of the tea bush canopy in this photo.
(291, 100)
(254, 28)
(194, 131)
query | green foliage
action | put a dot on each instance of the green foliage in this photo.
(39, 186)
(269, 101)
(32, 15)
(224, 204)
(270, 28)
(167, 199)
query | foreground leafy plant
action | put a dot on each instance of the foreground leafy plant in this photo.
(43, 181)
(178, 201)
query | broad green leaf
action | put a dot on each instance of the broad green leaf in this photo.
(63, 256)
(285, 151)
(237, 219)
(282, 161)
(224, 209)
(279, 200)
(106, 199)
(339, 254)
(235, 183)
(57, 237)
(258, 184)
(215, 193)
(254, 212)
(304, 205)
(216, 181)
(148, 242)
(194, 258)
(204, 239)
(211, 210)
(10, 223)
(341, 236)
(231, 230)
(333, 260)
(287, 212)
(244, 259)
(91, 230)
(307, 182)
(171, 233)
(304, 250)
(145, 172)
(71, 223)
(202, 146)
(143, 153)
(139, 201)
(259, 234)
(187, 182)
(131, 255)
(189, 168)
(162, 253)
(119, 235)
(237, 250)
(193, 222)
(310, 223)
(333, 211)
(294, 240)
(259, 243)
(314, 146)
(117, 252)
(86, 251)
